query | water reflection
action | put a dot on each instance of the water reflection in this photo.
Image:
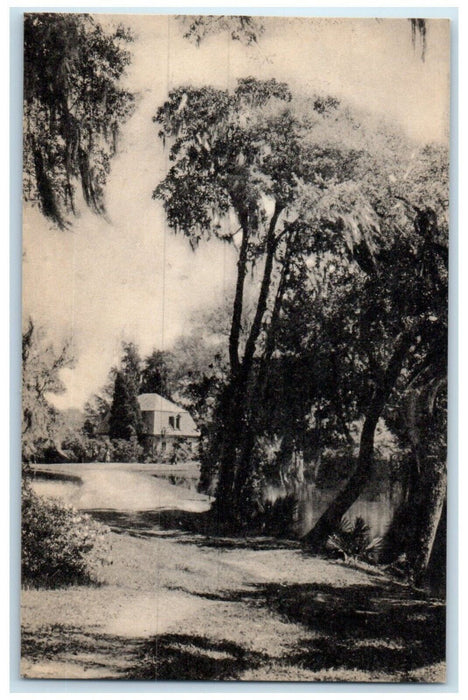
(375, 506)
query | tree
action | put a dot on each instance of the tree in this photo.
(97, 408)
(156, 375)
(255, 157)
(200, 371)
(311, 388)
(311, 189)
(369, 339)
(117, 400)
(125, 417)
(73, 109)
(42, 365)
(420, 422)
(130, 366)
(403, 326)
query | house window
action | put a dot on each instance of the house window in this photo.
(171, 421)
(177, 422)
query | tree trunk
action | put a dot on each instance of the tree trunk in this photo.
(415, 525)
(332, 516)
(225, 444)
(428, 525)
(436, 573)
(236, 436)
(428, 429)
(272, 328)
(238, 299)
(271, 244)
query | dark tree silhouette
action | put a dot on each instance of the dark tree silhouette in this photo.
(125, 417)
(156, 374)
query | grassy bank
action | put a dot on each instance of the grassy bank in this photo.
(179, 606)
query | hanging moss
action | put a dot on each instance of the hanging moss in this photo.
(73, 108)
(419, 29)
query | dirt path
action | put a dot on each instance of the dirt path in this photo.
(119, 487)
(180, 606)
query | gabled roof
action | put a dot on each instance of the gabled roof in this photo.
(155, 402)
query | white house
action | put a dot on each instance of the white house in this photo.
(167, 426)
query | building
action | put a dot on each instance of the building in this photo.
(169, 429)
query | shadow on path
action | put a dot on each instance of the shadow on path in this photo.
(366, 627)
(358, 629)
(163, 657)
(149, 522)
(185, 657)
(183, 527)
(65, 647)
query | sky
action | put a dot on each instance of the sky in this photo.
(129, 277)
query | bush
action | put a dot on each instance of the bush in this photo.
(126, 450)
(188, 482)
(335, 466)
(81, 448)
(59, 545)
(352, 541)
(279, 517)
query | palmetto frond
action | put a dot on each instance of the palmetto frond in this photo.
(352, 540)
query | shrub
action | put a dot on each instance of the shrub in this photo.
(187, 482)
(352, 541)
(81, 448)
(127, 450)
(59, 545)
(335, 466)
(279, 516)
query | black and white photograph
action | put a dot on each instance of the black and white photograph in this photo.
(235, 272)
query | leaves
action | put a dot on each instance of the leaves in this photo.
(73, 109)
(352, 540)
(125, 420)
(241, 28)
(42, 365)
(347, 214)
(226, 149)
(156, 375)
(349, 267)
(59, 545)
